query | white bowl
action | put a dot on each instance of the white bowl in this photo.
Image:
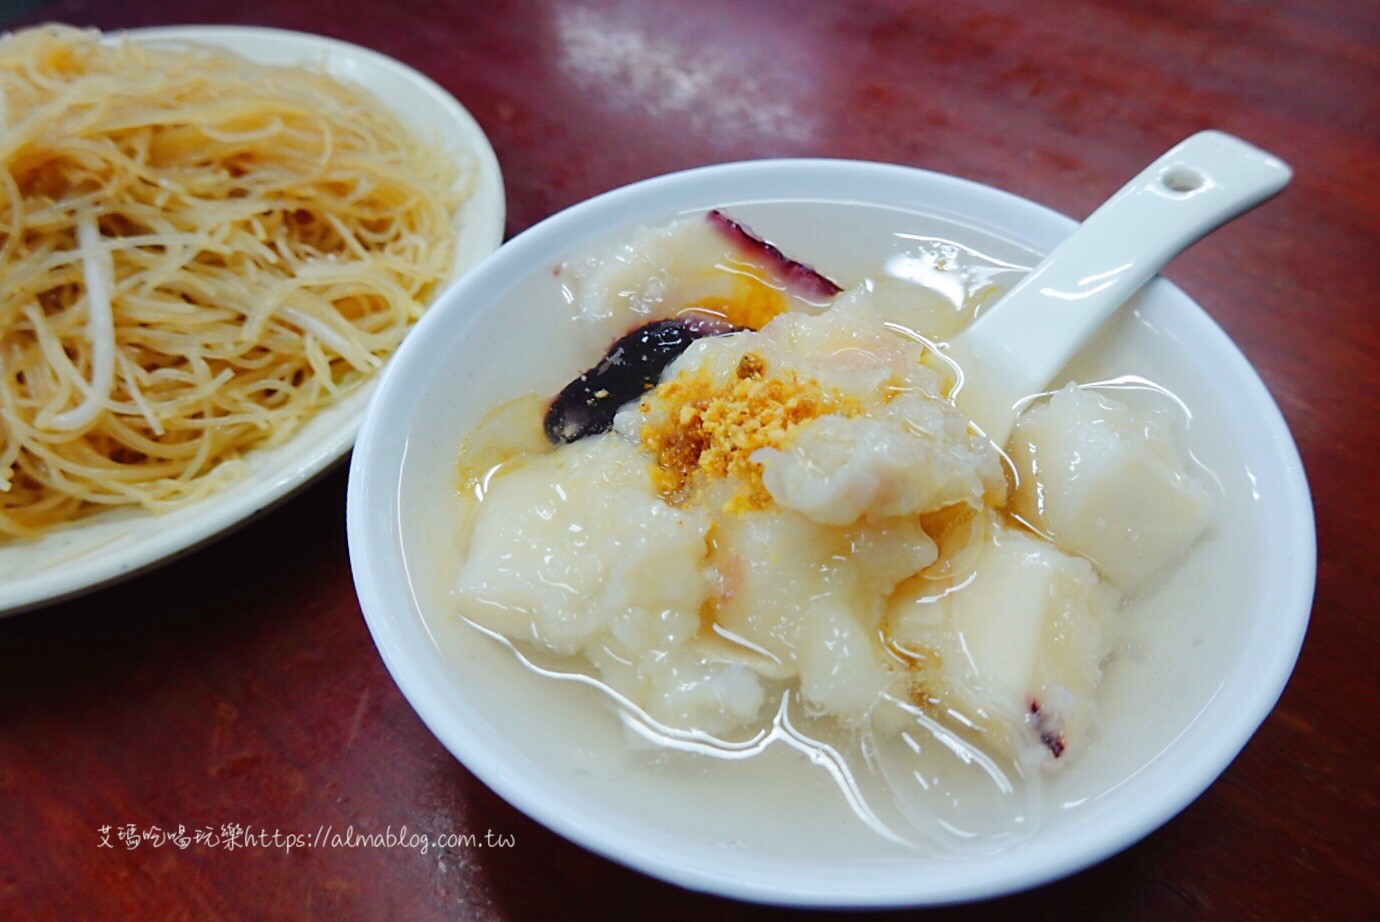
(119, 543)
(1214, 647)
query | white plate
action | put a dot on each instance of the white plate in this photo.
(117, 544)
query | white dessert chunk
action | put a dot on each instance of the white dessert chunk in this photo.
(688, 687)
(690, 691)
(848, 348)
(914, 455)
(813, 596)
(1017, 649)
(1108, 482)
(575, 552)
(575, 545)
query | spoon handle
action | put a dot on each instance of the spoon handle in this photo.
(1017, 346)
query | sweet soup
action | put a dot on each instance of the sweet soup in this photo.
(760, 518)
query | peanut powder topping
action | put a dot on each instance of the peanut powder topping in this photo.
(705, 428)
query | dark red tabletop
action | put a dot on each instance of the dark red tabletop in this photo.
(239, 686)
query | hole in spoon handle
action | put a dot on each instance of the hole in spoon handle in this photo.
(1182, 179)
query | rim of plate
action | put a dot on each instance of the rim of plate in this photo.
(483, 217)
(1251, 686)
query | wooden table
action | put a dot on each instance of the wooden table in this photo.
(240, 685)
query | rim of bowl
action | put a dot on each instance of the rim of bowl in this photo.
(384, 587)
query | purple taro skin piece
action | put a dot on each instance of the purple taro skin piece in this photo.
(802, 278)
(634, 363)
(632, 366)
